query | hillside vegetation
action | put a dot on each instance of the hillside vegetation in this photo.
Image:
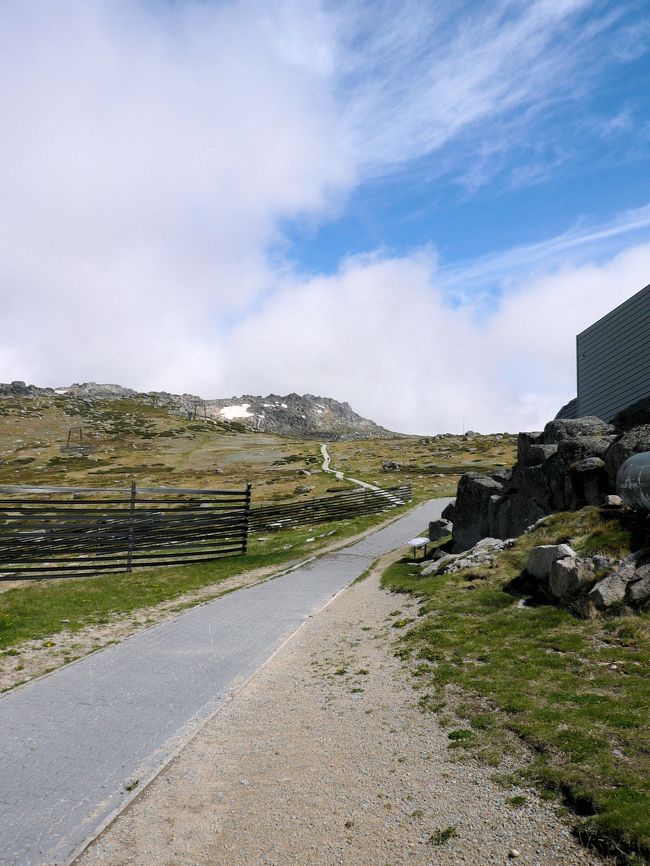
(132, 439)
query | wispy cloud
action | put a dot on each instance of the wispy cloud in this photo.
(464, 282)
(414, 81)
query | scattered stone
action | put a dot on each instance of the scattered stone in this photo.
(613, 501)
(638, 591)
(608, 591)
(542, 558)
(601, 563)
(568, 576)
(482, 554)
(448, 511)
(439, 529)
(491, 544)
(304, 488)
(439, 566)
(391, 466)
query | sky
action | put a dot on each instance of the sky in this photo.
(412, 206)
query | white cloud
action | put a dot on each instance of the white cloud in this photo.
(151, 151)
(383, 333)
(145, 162)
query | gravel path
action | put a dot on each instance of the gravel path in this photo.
(323, 759)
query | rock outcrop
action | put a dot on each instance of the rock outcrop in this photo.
(296, 415)
(482, 554)
(290, 415)
(439, 529)
(634, 441)
(20, 389)
(472, 512)
(589, 585)
(572, 463)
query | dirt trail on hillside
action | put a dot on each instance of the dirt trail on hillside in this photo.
(324, 758)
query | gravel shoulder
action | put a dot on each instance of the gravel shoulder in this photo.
(324, 758)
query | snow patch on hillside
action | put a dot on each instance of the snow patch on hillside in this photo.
(231, 412)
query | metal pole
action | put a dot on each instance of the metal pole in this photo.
(129, 555)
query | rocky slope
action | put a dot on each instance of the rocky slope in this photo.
(572, 463)
(291, 415)
(294, 414)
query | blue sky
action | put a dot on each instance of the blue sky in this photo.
(582, 158)
(411, 206)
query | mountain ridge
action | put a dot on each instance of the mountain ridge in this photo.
(290, 415)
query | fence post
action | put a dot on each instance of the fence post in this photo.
(365, 501)
(313, 510)
(247, 511)
(129, 555)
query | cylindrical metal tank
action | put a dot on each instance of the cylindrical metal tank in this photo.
(633, 481)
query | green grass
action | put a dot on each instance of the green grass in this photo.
(576, 692)
(39, 609)
(440, 837)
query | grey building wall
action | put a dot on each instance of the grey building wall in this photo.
(614, 359)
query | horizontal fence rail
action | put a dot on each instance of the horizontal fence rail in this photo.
(352, 503)
(74, 532)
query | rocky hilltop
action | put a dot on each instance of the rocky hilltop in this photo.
(290, 415)
(293, 414)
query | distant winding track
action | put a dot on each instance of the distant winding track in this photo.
(339, 475)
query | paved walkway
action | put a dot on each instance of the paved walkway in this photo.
(74, 742)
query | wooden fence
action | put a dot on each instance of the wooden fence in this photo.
(72, 532)
(352, 503)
